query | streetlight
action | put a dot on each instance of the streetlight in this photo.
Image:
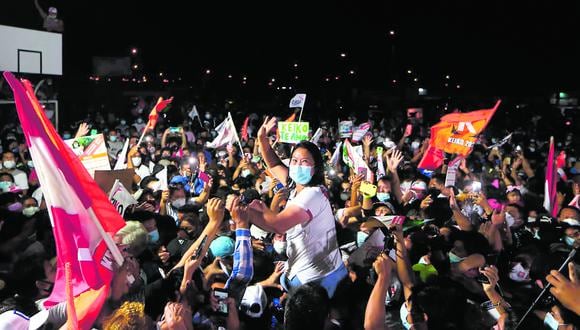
(134, 51)
(392, 32)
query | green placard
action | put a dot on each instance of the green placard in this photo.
(292, 132)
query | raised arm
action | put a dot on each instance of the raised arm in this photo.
(392, 164)
(41, 11)
(375, 312)
(278, 170)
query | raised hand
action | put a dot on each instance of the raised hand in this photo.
(367, 140)
(82, 130)
(567, 291)
(267, 126)
(215, 210)
(393, 160)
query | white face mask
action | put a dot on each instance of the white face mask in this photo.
(519, 274)
(9, 164)
(245, 173)
(178, 203)
(279, 247)
(30, 211)
(550, 322)
(136, 161)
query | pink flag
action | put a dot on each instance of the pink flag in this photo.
(360, 131)
(82, 217)
(550, 203)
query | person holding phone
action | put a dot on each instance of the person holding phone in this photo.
(307, 219)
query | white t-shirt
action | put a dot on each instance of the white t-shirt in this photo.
(312, 247)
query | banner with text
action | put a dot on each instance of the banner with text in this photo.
(293, 132)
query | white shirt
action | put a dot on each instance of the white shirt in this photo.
(312, 247)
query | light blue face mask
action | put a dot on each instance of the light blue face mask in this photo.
(66, 136)
(361, 237)
(453, 258)
(301, 174)
(153, 236)
(569, 240)
(383, 197)
(403, 313)
(550, 322)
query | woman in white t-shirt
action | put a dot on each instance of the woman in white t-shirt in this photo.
(307, 219)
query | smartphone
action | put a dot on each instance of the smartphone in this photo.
(221, 295)
(482, 278)
(368, 189)
(379, 151)
(408, 129)
(174, 129)
(362, 171)
(278, 187)
(204, 177)
(199, 248)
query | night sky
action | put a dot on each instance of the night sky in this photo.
(496, 46)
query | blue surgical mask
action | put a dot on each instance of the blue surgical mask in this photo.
(113, 138)
(66, 136)
(383, 197)
(361, 237)
(453, 258)
(550, 322)
(153, 236)
(569, 240)
(301, 174)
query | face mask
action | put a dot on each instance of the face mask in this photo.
(15, 150)
(383, 197)
(344, 196)
(245, 173)
(151, 150)
(153, 236)
(453, 258)
(550, 322)
(509, 219)
(123, 122)
(569, 241)
(207, 116)
(519, 274)
(136, 161)
(178, 203)
(15, 207)
(301, 174)
(361, 237)
(9, 164)
(113, 138)
(403, 313)
(415, 145)
(5, 186)
(66, 136)
(30, 164)
(531, 219)
(139, 121)
(279, 247)
(30, 211)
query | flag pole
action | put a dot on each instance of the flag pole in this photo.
(236, 132)
(143, 134)
(300, 117)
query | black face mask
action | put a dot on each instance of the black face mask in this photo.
(433, 192)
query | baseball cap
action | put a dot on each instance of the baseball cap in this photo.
(222, 247)
(254, 301)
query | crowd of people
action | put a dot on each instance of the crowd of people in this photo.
(282, 236)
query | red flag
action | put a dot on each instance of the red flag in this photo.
(159, 106)
(245, 129)
(550, 195)
(82, 217)
(456, 133)
(432, 159)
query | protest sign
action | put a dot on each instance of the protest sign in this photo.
(92, 152)
(120, 197)
(291, 132)
(345, 128)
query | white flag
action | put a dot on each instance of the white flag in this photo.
(316, 136)
(120, 197)
(193, 113)
(226, 134)
(162, 176)
(360, 132)
(336, 154)
(120, 164)
(298, 101)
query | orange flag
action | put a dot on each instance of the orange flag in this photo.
(456, 133)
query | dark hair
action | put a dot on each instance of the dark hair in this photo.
(306, 308)
(318, 176)
(443, 300)
(571, 207)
